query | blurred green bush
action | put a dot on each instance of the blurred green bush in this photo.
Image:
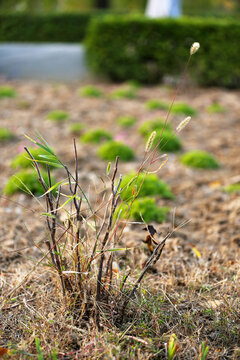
(141, 49)
(65, 27)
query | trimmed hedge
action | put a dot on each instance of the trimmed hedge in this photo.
(141, 49)
(45, 27)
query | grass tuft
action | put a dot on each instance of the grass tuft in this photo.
(125, 92)
(150, 125)
(90, 91)
(5, 135)
(26, 181)
(144, 209)
(110, 150)
(155, 104)
(24, 161)
(76, 128)
(199, 159)
(215, 107)
(7, 92)
(96, 136)
(58, 116)
(232, 189)
(170, 142)
(150, 185)
(184, 109)
(126, 121)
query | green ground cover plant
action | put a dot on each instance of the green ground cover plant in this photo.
(155, 104)
(170, 142)
(90, 91)
(5, 135)
(58, 116)
(126, 121)
(215, 107)
(76, 128)
(26, 181)
(144, 208)
(7, 92)
(199, 159)
(125, 92)
(231, 189)
(183, 109)
(96, 136)
(144, 185)
(111, 149)
(24, 161)
(150, 125)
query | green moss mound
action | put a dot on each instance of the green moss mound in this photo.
(125, 92)
(150, 125)
(76, 128)
(156, 105)
(144, 209)
(183, 109)
(96, 136)
(126, 121)
(111, 149)
(26, 181)
(232, 189)
(199, 159)
(215, 108)
(151, 185)
(170, 142)
(90, 91)
(5, 135)
(58, 115)
(24, 161)
(7, 92)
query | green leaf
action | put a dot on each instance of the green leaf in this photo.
(49, 215)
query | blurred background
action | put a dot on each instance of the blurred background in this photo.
(189, 7)
(40, 38)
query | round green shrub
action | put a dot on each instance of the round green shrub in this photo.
(5, 135)
(144, 209)
(76, 128)
(96, 136)
(156, 105)
(90, 91)
(110, 150)
(233, 188)
(24, 161)
(215, 108)
(58, 115)
(183, 109)
(150, 125)
(151, 185)
(199, 159)
(26, 181)
(126, 121)
(128, 92)
(7, 92)
(170, 142)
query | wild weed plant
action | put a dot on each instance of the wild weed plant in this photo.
(81, 250)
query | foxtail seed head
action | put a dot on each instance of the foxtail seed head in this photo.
(150, 141)
(194, 48)
(183, 124)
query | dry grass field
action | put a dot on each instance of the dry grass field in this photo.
(192, 291)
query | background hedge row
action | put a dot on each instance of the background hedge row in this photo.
(145, 50)
(45, 28)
